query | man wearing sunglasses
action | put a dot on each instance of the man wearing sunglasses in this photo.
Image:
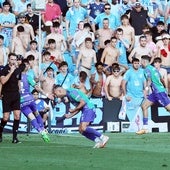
(106, 14)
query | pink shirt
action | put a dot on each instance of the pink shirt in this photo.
(52, 12)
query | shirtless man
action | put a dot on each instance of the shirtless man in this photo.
(140, 50)
(47, 82)
(104, 34)
(28, 30)
(128, 32)
(19, 45)
(56, 54)
(87, 57)
(98, 80)
(33, 51)
(58, 37)
(113, 84)
(4, 51)
(110, 54)
(164, 53)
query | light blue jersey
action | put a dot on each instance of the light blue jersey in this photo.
(135, 82)
(123, 57)
(74, 16)
(67, 82)
(7, 19)
(113, 23)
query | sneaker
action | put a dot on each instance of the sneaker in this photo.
(16, 141)
(104, 141)
(45, 136)
(0, 137)
(142, 131)
(98, 145)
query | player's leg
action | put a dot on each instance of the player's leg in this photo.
(88, 116)
(6, 107)
(3, 123)
(146, 104)
(15, 106)
(16, 125)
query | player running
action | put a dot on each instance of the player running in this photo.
(83, 104)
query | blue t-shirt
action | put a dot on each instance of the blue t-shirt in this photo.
(74, 16)
(135, 82)
(113, 23)
(67, 82)
(95, 9)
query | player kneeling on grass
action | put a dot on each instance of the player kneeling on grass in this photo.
(28, 105)
(83, 104)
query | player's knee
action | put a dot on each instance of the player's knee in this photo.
(81, 129)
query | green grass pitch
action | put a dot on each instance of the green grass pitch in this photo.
(124, 151)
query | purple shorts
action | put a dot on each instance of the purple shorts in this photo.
(161, 98)
(88, 115)
(29, 108)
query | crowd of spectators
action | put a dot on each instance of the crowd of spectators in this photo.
(86, 44)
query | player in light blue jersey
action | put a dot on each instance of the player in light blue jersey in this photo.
(83, 104)
(133, 86)
(28, 105)
(159, 94)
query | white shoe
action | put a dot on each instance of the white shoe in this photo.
(98, 145)
(104, 141)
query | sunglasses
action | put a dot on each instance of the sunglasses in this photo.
(116, 71)
(107, 8)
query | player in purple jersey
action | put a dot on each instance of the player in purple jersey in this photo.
(83, 104)
(28, 105)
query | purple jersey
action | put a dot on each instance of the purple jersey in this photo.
(25, 93)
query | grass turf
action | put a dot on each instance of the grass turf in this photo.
(124, 151)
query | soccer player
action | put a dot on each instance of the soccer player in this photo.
(82, 103)
(158, 95)
(28, 105)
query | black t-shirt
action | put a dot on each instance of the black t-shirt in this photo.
(12, 84)
(138, 20)
(33, 21)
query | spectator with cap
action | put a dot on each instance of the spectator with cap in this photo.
(7, 22)
(28, 30)
(138, 13)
